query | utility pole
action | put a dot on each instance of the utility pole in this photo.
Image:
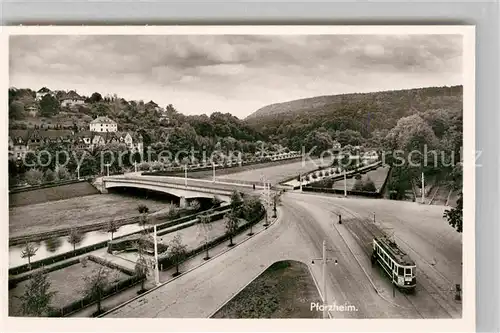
(301, 181)
(107, 166)
(135, 166)
(324, 261)
(325, 304)
(157, 272)
(78, 172)
(423, 188)
(213, 171)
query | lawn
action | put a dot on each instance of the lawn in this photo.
(68, 283)
(377, 176)
(191, 236)
(72, 212)
(285, 290)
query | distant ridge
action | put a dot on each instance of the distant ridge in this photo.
(329, 101)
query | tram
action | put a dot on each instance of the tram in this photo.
(400, 268)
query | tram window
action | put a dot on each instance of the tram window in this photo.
(400, 270)
(408, 271)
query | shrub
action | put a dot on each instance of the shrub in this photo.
(62, 173)
(34, 177)
(358, 185)
(369, 186)
(143, 166)
(357, 176)
(314, 176)
(83, 261)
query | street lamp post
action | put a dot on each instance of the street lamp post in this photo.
(78, 172)
(157, 272)
(345, 183)
(423, 189)
(107, 166)
(213, 171)
(135, 166)
(324, 261)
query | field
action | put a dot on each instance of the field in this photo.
(284, 290)
(275, 173)
(51, 194)
(68, 283)
(191, 236)
(377, 176)
(72, 212)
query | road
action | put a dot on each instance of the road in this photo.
(219, 185)
(305, 220)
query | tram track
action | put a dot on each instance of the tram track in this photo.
(363, 230)
(428, 285)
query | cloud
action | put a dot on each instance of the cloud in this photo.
(232, 70)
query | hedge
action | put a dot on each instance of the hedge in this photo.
(165, 262)
(15, 280)
(86, 301)
(338, 191)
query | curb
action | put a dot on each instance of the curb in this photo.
(182, 274)
(319, 291)
(239, 290)
(364, 271)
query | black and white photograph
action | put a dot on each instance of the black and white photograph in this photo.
(241, 173)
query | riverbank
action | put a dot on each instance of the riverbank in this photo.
(75, 212)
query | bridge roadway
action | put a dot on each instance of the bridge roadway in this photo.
(305, 220)
(179, 183)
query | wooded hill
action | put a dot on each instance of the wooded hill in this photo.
(367, 113)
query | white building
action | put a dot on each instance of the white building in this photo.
(103, 124)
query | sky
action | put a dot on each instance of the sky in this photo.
(232, 73)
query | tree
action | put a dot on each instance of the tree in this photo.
(231, 225)
(112, 227)
(143, 218)
(52, 244)
(16, 110)
(236, 201)
(28, 251)
(62, 173)
(96, 285)
(142, 266)
(369, 186)
(455, 215)
(37, 296)
(358, 185)
(204, 227)
(33, 177)
(251, 208)
(75, 237)
(177, 252)
(194, 205)
(95, 98)
(49, 106)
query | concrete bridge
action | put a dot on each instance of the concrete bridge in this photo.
(183, 188)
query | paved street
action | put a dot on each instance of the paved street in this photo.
(305, 220)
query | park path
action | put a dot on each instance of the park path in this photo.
(165, 276)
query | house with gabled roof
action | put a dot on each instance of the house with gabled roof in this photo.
(103, 124)
(71, 99)
(42, 92)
